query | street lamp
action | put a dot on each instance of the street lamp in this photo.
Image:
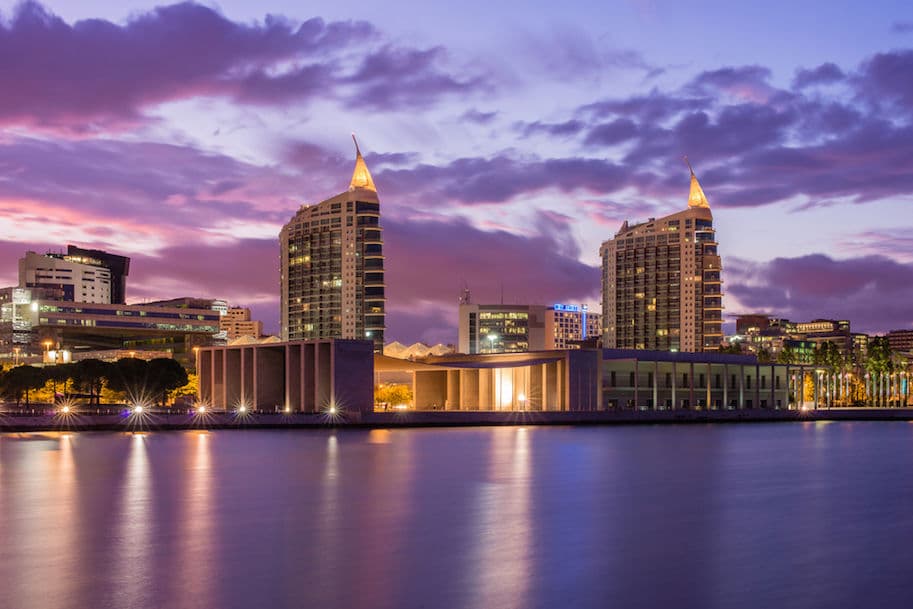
(491, 342)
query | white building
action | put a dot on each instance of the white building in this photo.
(79, 279)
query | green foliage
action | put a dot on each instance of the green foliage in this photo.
(392, 394)
(23, 380)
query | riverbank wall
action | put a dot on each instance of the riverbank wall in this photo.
(182, 421)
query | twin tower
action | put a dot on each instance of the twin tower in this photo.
(661, 285)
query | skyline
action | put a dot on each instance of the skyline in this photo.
(530, 158)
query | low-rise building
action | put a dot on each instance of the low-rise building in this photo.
(501, 328)
(567, 326)
(237, 322)
(30, 321)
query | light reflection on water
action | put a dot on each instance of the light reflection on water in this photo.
(750, 516)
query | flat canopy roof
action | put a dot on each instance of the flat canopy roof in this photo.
(705, 357)
(383, 363)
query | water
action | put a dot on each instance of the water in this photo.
(762, 515)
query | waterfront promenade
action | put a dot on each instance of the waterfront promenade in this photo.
(151, 421)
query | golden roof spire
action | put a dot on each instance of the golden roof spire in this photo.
(361, 177)
(696, 197)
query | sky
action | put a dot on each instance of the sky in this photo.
(507, 141)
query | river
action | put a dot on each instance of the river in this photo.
(739, 515)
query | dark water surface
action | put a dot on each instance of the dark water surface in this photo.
(762, 515)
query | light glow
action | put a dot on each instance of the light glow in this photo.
(138, 409)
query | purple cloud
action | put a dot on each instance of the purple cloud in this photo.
(84, 76)
(824, 74)
(872, 291)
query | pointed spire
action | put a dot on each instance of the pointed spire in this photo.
(696, 197)
(361, 177)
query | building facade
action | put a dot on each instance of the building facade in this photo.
(566, 326)
(118, 266)
(502, 328)
(30, 321)
(237, 322)
(586, 380)
(661, 285)
(333, 377)
(78, 278)
(901, 340)
(332, 266)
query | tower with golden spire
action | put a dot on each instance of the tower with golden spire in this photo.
(332, 266)
(661, 284)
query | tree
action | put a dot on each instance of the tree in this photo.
(129, 377)
(165, 374)
(23, 379)
(763, 356)
(392, 394)
(89, 376)
(189, 389)
(788, 355)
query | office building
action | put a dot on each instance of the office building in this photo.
(567, 326)
(118, 266)
(332, 266)
(30, 318)
(661, 286)
(901, 340)
(78, 278)
(501, 328)
(237, 322)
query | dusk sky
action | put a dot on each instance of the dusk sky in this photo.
(507, 141)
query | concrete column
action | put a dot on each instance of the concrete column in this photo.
(741, 405)
(815, 377)
(243, 373)
(485, 389)
(562, 386)
(453, 390)
(709, 383)
(469, 389)
(757, 386)
(725, 386)
(691, 404)
(655, 385)
(674, 385)
(773, 386)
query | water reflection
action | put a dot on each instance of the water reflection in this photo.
(503, 530)
(197, 524)
(134, 530)
(752, 516)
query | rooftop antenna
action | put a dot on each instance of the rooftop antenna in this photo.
(466, 296)
(502, 292)
(687, 162)
(357, 150)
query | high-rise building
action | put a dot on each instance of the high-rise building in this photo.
(661, 285)
(78, 278)
(332, 277)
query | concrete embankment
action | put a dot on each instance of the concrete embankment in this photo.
(168, 421)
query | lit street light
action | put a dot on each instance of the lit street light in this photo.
(491, 342)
